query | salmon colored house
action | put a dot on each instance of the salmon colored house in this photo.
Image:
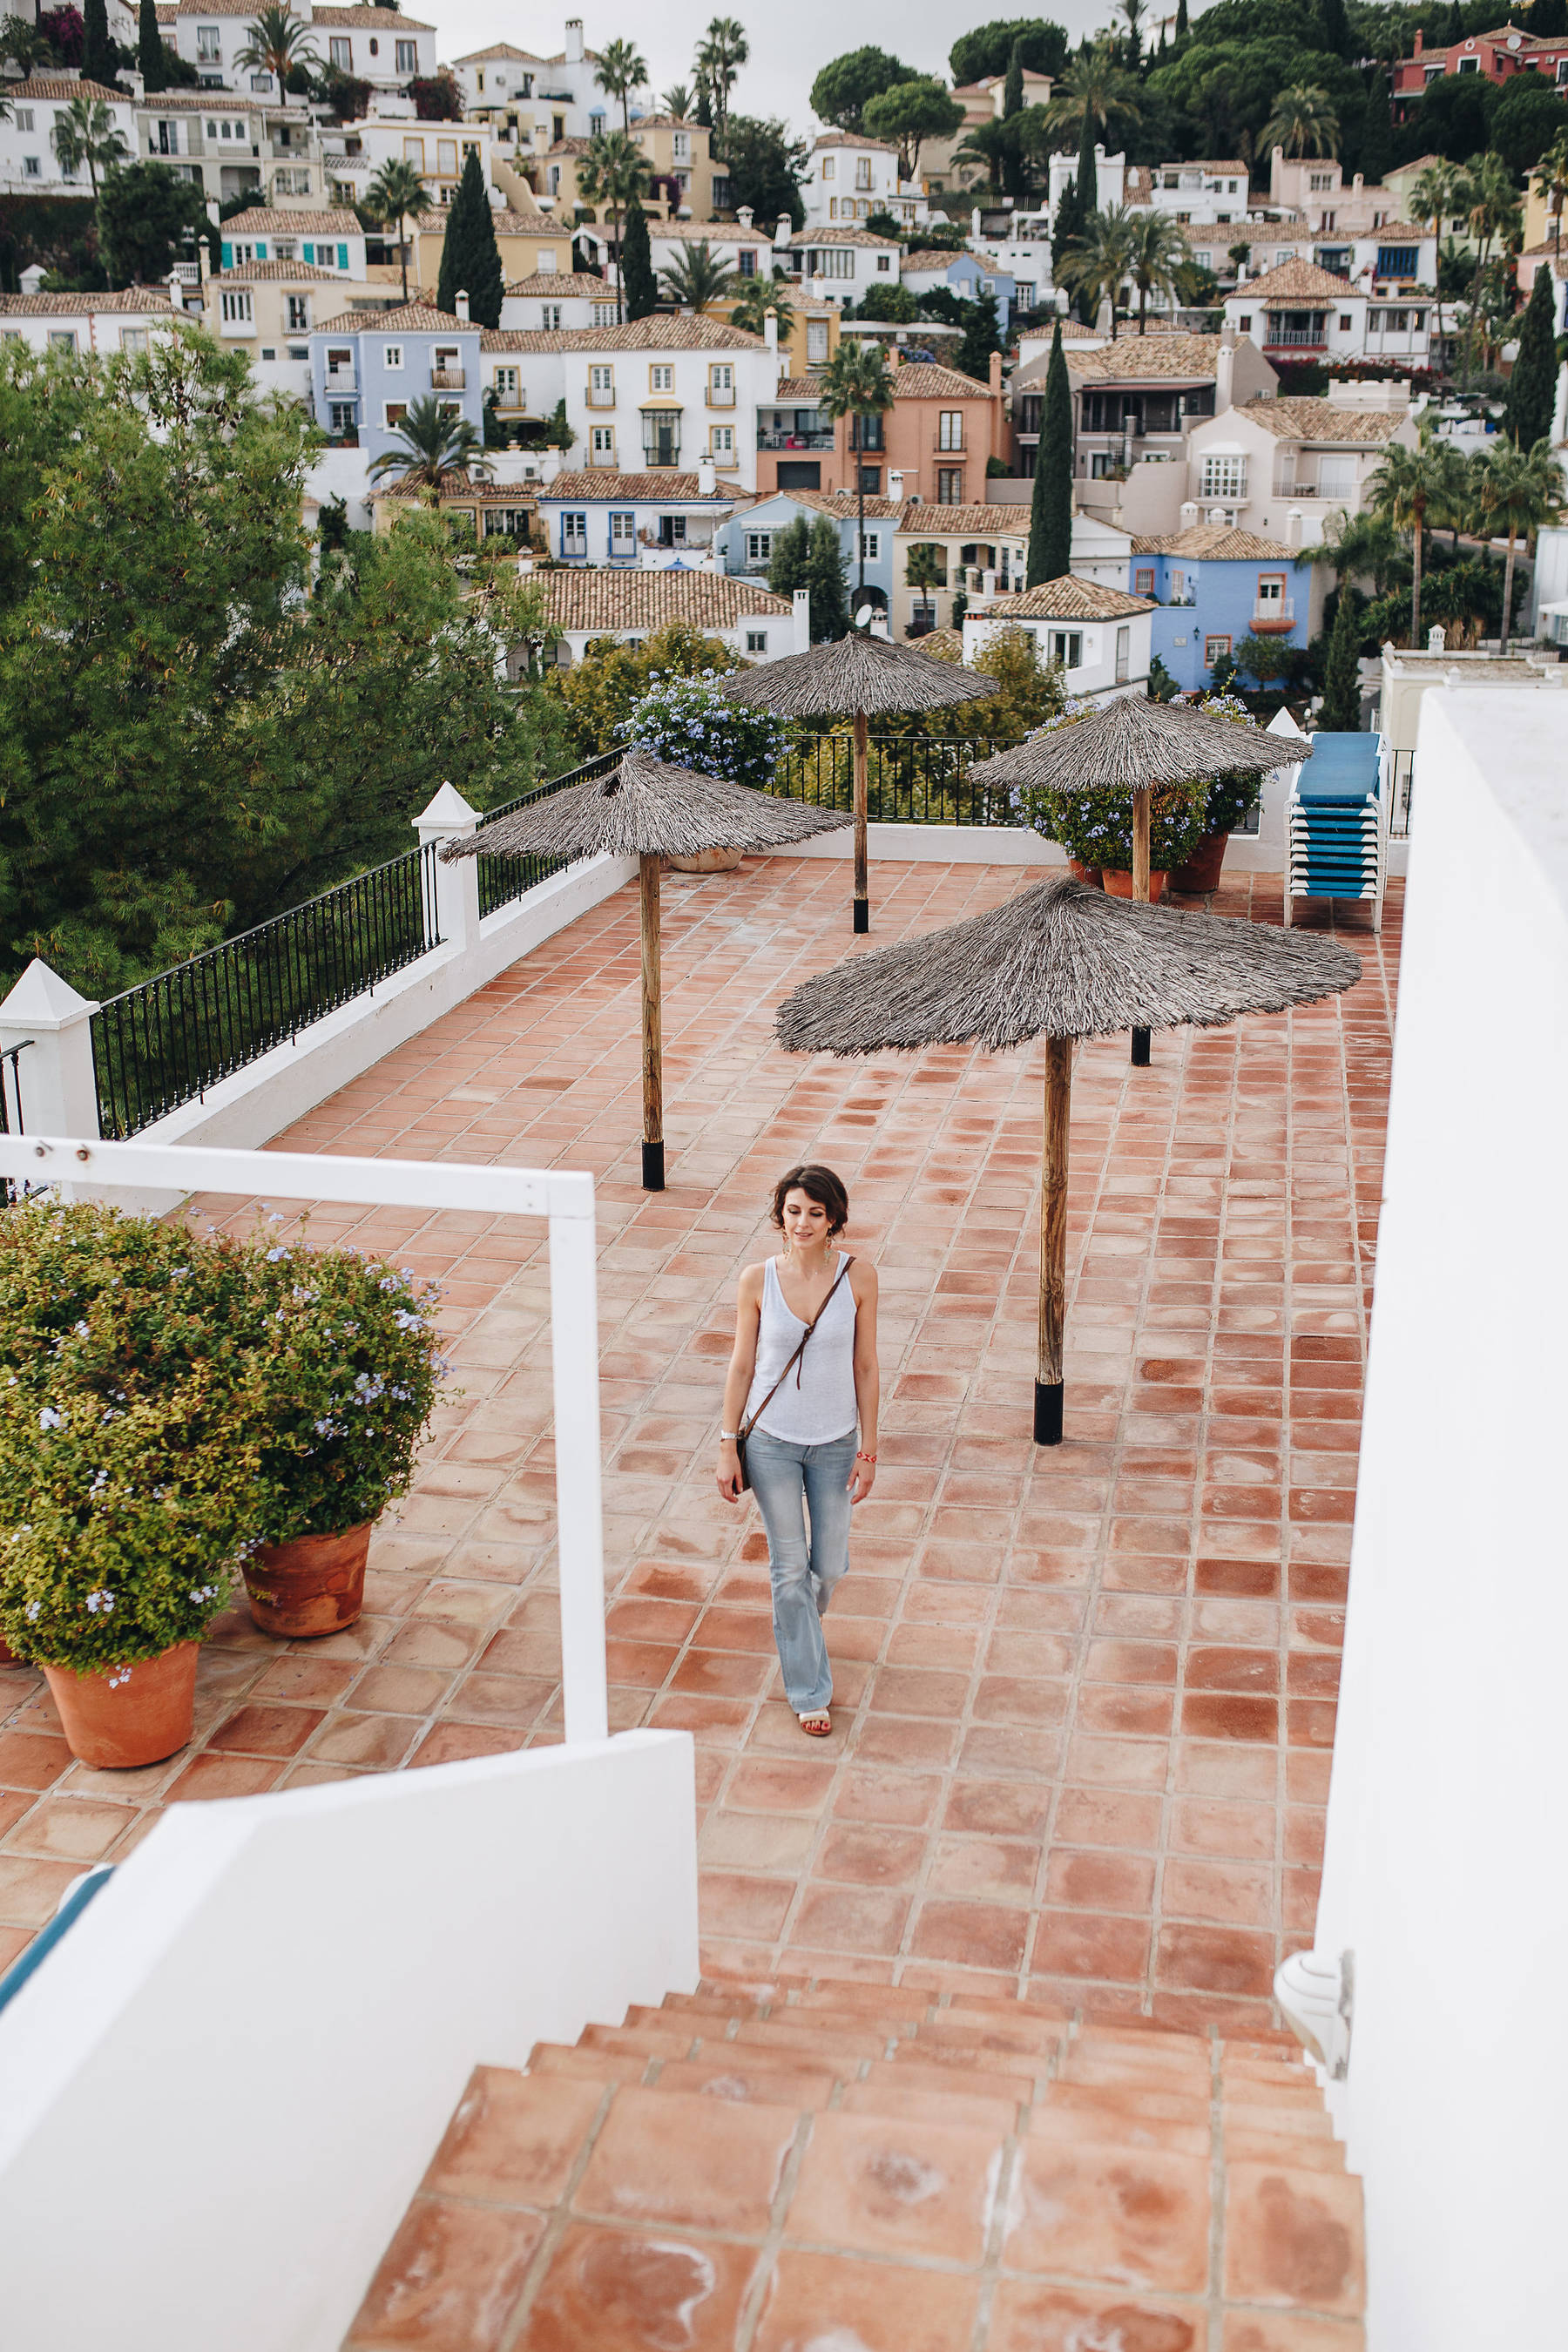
(933, 443)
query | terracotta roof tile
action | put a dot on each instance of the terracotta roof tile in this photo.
(498, 49)
(1298, 281)
(923, 520)
(59, 86)
(1069, 599)
(679, 333)
(600, 485)
(263, 273)
(130, 299)
(372, 20)
(265, 220)
(1138, 359)
(923, 380)
(807, 237)
(1219, 543)
(409, 318)
(561, 283)
(606, 601)
(1321, 420)
(851, 139)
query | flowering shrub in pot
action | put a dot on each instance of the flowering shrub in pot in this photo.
(353, 1366)
(1229, 802)
(690, 723)
(1095, 829)
(131, 1415)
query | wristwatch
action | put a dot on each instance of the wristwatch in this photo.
(728, 1436)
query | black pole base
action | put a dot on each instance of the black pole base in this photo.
(1140, 1049)
(1047, 1413)
(653, 1167)
(862, 914)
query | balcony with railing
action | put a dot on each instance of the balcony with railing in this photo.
(1273, 616)
(600, 395)
(1296, 339)
(448, 379)
(769, 438)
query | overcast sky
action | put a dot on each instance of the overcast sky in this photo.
(789, 42)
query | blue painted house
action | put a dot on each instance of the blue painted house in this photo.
(967, 275)
(368, 367)
(1214, 585)
(746, 540)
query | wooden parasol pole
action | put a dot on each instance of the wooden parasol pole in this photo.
(1052, 1241)
(862, 764)
(1142, 799)
(652, 1030)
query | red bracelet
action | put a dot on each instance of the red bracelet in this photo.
(866, 1457)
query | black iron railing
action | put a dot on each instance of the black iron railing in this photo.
(168, 1040)
(503, 879)
(911, 779)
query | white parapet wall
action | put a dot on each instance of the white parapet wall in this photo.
(221, 2088)
(1444, 1877)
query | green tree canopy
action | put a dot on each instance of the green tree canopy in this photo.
(1532, 387)
(152, 56)
(1452, 117)
(470, 257)
(1341, 676)
(639, 288)
(824, 578)
(984, 52)
(99, 56)
(1050, 508)
(766, 167)
(1527, 121)
(982, 336)
(146, 220)
(841, 90)
(910, 112)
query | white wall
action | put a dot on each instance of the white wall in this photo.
(1448, 1812)
(222, 2087)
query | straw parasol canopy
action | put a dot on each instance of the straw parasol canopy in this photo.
(1138, 746)
(1060, 961)
(648, 809)
(862, 676)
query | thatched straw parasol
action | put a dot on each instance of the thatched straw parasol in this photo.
(1060, 961)
(1138, 746)
(647, 809)
(860, 675)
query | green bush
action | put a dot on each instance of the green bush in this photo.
(131, 1419)
(1096, 827)
(1231, 801)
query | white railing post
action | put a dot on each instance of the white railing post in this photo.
(449, 817)
(54, 1080)
(574, 1358)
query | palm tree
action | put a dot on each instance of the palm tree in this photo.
(434, 443)
(697, 277)
(621, 69)
(1550, 177)
(84, 132)
(925, 568)
(610, 174)
(1102, 257)
(1435, 196)
(1160, 254)
(279, 42)
(1095, 85)
(397, 195)
(1404, 487)
(857, 383)
(1453, 499)
(720, 54)
(678, 100)
(1304, 122)
(758, 297)
(1353, 544)
(1492, 208)
(1522, 488)
(985, 147)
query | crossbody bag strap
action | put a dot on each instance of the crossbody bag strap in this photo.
(799, 1352)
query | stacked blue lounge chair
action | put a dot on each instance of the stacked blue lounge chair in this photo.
(1338, 823)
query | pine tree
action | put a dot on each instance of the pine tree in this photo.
(824, 578)
(151, 57)
(639, 288)
(1341, 713)
(1532, 387)
(470, 257)
(1377, 136)
(1087, 170)
(1050, 511)
(97, 49)
(1012, 87)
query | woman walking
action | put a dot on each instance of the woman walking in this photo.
(801, 1381)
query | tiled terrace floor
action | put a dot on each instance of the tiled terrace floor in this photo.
(1084, 1697)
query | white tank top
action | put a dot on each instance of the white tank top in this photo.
(816, 1403)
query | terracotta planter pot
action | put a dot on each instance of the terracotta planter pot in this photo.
(126, 1715)
(706, 861)
(314, 1585)
(1118, 880)
(1202, 870)
(1089, 874)
(8, 1655)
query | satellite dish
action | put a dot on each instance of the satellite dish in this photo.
(863, 617)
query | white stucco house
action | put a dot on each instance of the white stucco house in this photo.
(1282, 468)
(631, 606)
(849, 176)
(29, 165)
(838, 265)
(1100, 636)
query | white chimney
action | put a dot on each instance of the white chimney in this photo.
(771, 331)
(550, 467)
(574, 40)
(878, 627)
(745, 215)
(1189, 514)
(1241, 273)
(896, 487)
(1224, 375)
(803, 620)
(988, 585)
(819, 289)
(707, 477)
(462, 302)
(782, 229)
(31, 280)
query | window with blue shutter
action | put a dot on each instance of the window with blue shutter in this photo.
(1396, 260)
(343, 257)
(261, 253)
(226, 251)
(308, 251)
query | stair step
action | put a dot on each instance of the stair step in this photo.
(962, 2058)
(1297, 2154)
(771, 2058)
(838, 2041)
(900, 2105)
(654, 2041)
(799, 2088)
(1022, 2038)
(596, 2066)
(910, 2074)
(1120, 2128)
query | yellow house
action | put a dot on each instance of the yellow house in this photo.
(267, 310)
(529, 243)
(687, 181)
(812, 336)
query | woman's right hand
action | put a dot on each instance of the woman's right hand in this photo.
(728, 1475)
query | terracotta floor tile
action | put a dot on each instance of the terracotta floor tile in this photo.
(514, 2138)
(449, 2281)
(1294, 2239)
(730, 2175)
(1029, 2316)
(634, 2291)
(827, 2300)
(1101, 2214)
(871, 2184)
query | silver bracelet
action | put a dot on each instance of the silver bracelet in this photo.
(728, 1436)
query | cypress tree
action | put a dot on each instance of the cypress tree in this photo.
(1454, 28)
(97, 50)
(639, 289)
(982, 336)
(1335, 26)
(1549, 20)
(1088, 171)
(1012, 87)
(790, 567)
(1181, 20)
(1050, 509)
(1341, 713)
(151, 57)
(470, 257)
(1377, 135)
(1068, 227)
(1532, 387)
(824, 578)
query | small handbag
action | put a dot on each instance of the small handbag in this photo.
(747, 1426)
